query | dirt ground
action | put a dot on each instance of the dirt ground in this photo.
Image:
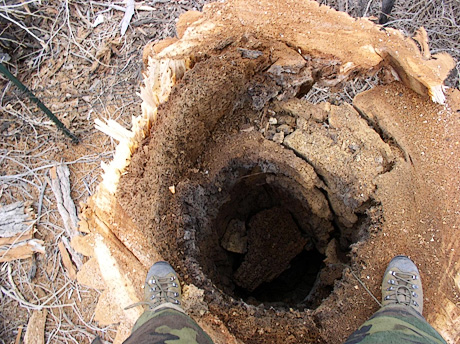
(353, 185)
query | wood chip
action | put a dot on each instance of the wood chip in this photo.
(26, 235)
(21, 250)
(71, 271)
(18, 337)
(83, 226)
(84, 244)
(16, 232)
(35, 333)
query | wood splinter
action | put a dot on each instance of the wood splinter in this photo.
(17, 227)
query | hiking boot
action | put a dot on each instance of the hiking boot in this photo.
(401, 284)
(161, 288)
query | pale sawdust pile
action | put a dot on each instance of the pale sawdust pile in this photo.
(84, 71)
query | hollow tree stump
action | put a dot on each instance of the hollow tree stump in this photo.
(221, 125)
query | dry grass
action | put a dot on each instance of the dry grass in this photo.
(82, 73)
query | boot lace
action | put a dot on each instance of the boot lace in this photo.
(402, 289)
(159, 292)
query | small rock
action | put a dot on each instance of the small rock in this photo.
(278, 137)
(284, 128)
(270, 133)
(286, 119)
(193, 300)
(235, 238)
(320, 112)
(249, 54)
(246, 128)
(353, 147)
(302, 123)
(272, 121)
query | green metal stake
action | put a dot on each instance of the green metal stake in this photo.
(42, 106)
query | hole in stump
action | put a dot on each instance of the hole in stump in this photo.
(265, 249)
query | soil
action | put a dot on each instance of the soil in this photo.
(330, 192)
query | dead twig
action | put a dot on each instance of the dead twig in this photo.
(24, 28)
(29, 305)
(364, 286)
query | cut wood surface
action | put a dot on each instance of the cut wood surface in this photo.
(358, 44)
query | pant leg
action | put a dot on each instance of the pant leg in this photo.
(396, 325)
(167, 325)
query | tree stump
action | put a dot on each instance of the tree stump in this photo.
(226, 135)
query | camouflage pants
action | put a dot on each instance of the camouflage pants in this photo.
(389, 325)
(396, 325)
(167, 326)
